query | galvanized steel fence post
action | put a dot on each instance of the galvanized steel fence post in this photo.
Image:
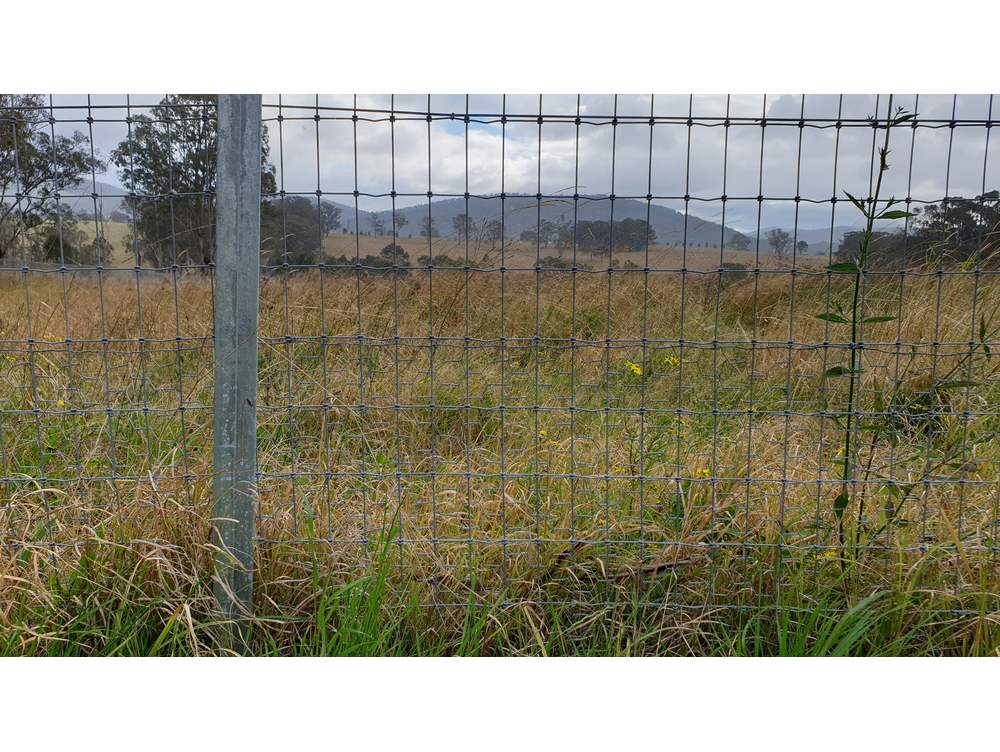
(237, 284)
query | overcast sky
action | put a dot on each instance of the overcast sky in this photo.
(631, 159)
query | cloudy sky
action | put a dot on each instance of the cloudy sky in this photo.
(670, 159)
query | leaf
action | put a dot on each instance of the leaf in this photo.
(833, 317)
(856, 202)
(878, 319)
(838, 371)
(895, 214)
(840, 503)
(844, 267)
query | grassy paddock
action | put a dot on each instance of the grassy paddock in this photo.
(692, 517)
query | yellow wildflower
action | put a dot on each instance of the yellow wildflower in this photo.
(61, 403)
(704, 473)
(635, 368)
(830, 553)
(671, 361)
(543, 433)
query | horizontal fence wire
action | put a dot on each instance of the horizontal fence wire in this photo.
(532, 347)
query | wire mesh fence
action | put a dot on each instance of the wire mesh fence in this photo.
(105, 353)
(545, 349)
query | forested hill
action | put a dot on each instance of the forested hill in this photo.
(523, 213)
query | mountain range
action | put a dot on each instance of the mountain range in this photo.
(81, 202)
(520, 213)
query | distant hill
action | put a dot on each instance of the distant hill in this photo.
(108, 198)
(522, 213)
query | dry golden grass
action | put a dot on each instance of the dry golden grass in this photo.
(699, 486)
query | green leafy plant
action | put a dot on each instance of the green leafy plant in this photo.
(873, 210)
(901, 411)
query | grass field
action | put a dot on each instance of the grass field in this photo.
(484, 500)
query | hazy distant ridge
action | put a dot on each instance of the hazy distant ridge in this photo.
(519, 213)
(522, 213)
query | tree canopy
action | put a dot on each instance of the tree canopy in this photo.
(778, 240)
(169, 161)
(959, 230)
(36, 165)
(292, 229)
(596, 236)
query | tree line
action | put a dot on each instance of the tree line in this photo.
(779, 241)
(957, 231)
